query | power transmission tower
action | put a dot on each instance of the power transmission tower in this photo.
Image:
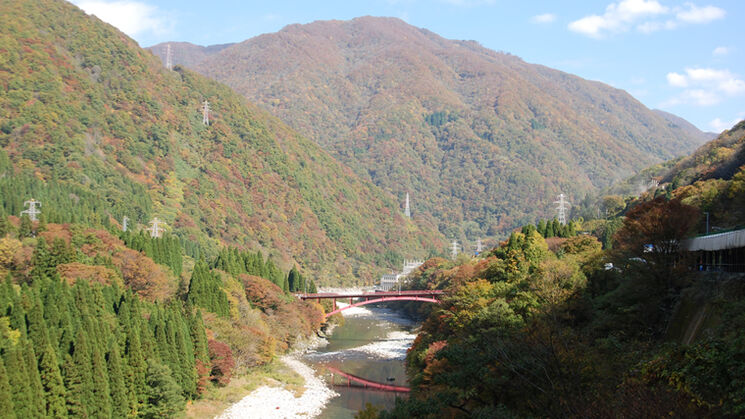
(125, 220)
(169, 57)
(455, 247)
(479, 246)
(407, 210)
(206, 113)
(32, 211)
(156, 229)
(562, 208)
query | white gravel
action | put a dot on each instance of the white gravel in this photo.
(276, 402)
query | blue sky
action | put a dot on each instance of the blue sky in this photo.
(684, 57)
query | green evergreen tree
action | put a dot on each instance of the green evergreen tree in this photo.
(22, 389)
(51, 381)
(26, 229)
(82, 363)
(163, 397)
(38, 405)
(542, 228)
(5, 227)
(6, 395)
(100, 405)
(120, 403)
(293, 279)
(556, 227)
(75, 389)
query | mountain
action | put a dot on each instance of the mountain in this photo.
(677, 122)
(482, 140)
(713, 178)
(187, 54)
(97, 129)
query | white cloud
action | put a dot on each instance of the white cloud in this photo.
(677, 80)
(695, 14)
(646, 16)
(544, 18)
(721, 51)
(718, 125)
(131, 17)
(705, 86)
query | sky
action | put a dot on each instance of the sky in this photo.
(684, 57)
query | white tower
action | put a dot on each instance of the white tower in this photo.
(32, 211)
(407, 209)
(562, 208)
(156, 229)
(454, 249)
(169, 57)
(206, 113)
(125, 220)
(479, 246)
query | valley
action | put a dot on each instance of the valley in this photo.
(218, 231)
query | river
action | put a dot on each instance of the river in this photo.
(371, 345)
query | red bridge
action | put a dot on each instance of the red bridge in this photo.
(365, 383)
(430, 296)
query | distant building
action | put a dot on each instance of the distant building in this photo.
(389, 281)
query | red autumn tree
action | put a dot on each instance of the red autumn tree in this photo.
(222, 362)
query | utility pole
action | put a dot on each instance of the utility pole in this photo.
(707, 222)
(454, 249)
(125, 220)
(32, 211)
(562, 208)
(169, 57)
(156, 229)
(206, 113)
(407, 209)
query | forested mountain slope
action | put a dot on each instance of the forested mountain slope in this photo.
(97, 129)
(713, 178)
(483, 140)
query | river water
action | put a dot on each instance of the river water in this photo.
(371, 345)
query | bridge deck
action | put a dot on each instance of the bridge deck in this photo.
(333, 295)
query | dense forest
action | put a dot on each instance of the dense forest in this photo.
(96, 128)
(482, 140)
(574, 328)
(92, 325)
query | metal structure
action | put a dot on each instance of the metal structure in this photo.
(479, 246)
(156, 229)
(430, 296)
(363, 383)
(32, 211)
(407, 209)
(125, 220)
(206, 113)
(454, 249)
(562, 208)
(169, 57)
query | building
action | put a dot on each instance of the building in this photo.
(722, 252)
(389, 281)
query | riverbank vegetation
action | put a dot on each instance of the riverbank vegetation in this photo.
(524, 331)
(615, 323)
(91, 325)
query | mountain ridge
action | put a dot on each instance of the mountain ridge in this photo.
(97, 119)
(475, 135)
